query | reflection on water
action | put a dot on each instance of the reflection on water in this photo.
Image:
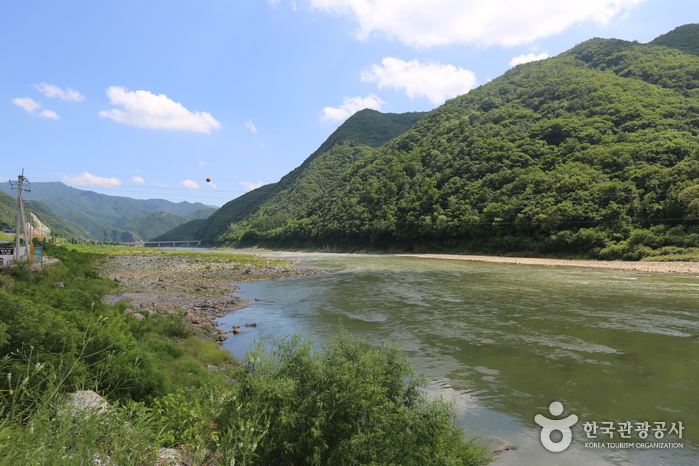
(504, 341)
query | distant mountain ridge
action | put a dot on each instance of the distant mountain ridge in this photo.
(114, 218)
(58, 225)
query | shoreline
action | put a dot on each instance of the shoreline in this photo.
(655, 267)
(200, 289)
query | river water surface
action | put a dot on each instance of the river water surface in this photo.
(505, 341)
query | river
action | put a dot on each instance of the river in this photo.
(505, 341)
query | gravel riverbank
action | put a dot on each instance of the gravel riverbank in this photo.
(197, 287)
(663, 267)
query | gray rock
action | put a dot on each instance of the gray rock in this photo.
(168, 457)
(85, 401)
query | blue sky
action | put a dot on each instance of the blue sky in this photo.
(148, 99)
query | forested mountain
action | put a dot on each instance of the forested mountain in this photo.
(273, 205)
(594, 152)
(8, 206)
(684, 38)
(114, 218)
(185, 232)
(58, 225)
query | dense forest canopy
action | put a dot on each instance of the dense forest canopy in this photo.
(684, 38)
(593, 153)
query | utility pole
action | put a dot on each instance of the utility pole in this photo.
(19, 216)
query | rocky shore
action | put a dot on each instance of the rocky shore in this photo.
(195, 286)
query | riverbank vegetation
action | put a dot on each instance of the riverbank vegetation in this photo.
(345, 403)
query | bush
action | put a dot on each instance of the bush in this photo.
(346, 404)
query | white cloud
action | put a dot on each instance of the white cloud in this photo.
(86, 178)
(50, 90)
(190, 184)
(432, 80)
(527, 58)
(137, 179)
(249, 125)
(203, 164)
(147, 110)
(161, 185)
(48, 114)
(250, 185)
(27, 103)
(350, 106)
(30, 105)
(425, 23)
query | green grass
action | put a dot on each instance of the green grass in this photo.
(686, 257)
(244, 260)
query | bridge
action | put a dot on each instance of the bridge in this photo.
(160, 244)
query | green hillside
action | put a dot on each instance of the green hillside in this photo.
(592, 153)
(185, 232)
(8, 206)
(684, 38)
(153, 225)
(114, 218)
(272, 205)
(58, 225)
(231, 212)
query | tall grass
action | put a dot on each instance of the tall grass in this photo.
(36, 427)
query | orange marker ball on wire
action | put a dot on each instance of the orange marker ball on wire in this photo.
(208, 180)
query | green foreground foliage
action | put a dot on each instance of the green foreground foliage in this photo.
(346, 403)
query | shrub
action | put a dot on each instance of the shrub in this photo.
(346, 404)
